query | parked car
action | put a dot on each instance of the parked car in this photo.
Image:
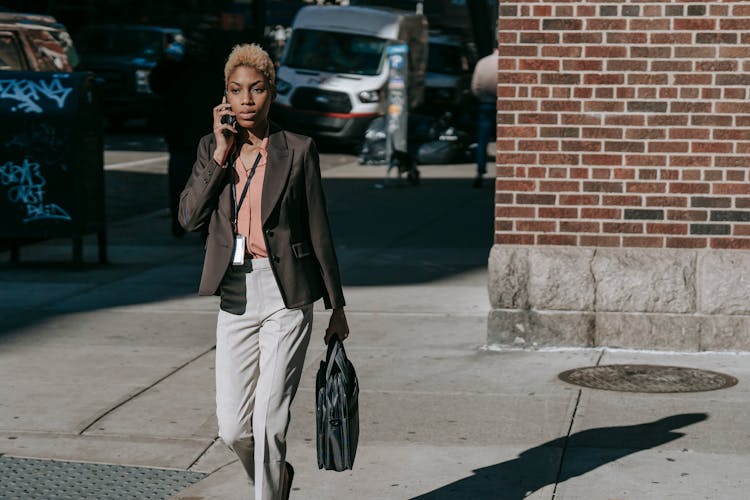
(448, 78)
(122, 56)
(334, 72)
(30, 42)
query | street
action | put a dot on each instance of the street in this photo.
(113, 364)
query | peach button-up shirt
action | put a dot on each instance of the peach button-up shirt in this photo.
(249, 220)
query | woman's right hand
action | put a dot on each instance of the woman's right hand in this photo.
(223, 133)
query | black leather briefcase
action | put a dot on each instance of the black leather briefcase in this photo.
(337, 409)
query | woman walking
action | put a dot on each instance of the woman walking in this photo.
(269, 255)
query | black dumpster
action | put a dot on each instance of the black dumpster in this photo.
(51, 160)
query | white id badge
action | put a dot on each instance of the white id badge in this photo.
(238, 256)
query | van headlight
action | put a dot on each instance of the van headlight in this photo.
(369, 96)
(141, 81)
(282, 86)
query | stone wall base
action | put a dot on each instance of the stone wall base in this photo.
(686, 300)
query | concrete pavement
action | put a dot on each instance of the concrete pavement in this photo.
(114, 364)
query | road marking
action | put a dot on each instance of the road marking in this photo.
(127, 164)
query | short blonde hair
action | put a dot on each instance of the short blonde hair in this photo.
(252, 56)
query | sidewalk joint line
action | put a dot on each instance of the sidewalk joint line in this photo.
(565, 445)
(203, 453)
(143, 390)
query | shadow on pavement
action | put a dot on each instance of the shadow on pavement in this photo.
(540, 466)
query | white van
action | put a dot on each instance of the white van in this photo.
(333, 76)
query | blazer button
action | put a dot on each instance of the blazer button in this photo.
(276, 259)
(269, 233)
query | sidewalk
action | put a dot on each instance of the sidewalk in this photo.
(114, 365)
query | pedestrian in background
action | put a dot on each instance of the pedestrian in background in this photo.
(183, 79)
(484, 87)
(270, 255)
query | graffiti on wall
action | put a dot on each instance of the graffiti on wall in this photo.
(26, 187)
(27, 93)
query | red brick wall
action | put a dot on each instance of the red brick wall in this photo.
(623, 124)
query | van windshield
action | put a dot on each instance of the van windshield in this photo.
(335, 52)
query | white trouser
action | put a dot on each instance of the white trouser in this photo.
(259, 359)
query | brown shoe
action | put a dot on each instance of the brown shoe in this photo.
(289, 478)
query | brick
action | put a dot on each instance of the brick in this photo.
(689, 187)
(667, 120)
(626, 38)
(694, 24)
(581, 146)
(516, 131)
(737, 94)
(626, 65)
(558, 213)
(518, 24)
(696, 10)
(582, 65)
(604, 92)
(509, 105)
(561, 51)
(559, 132)
(651, 52)
(540, 118)
(625, 93)
(601, 173)
(562, 24)
(650, 25)
(666, 201)
(599, 241)
(734, 52)
(600, 213)
(634, 214)
(603, 79)
(559, 186)
(690, 107)
(717, 38)
(539, 65)
(645, 187)
(606, 25)
(514, 239)
(710, 202)
(691, 175)
(515, 212)
(579, 199)
(718, 66)
(611, 106)
(671, 66)
(559, 159)
(645, 133)
(579, 227)
(693, 52)
(624, 146)
(675, 10)
(622, 227)
(731, 243)
(643, 241)
(645, 160)
(508, 11)
(710, 229)
(737, 79)
(671, 38)
(734, 24)
(731, 188)
(711, 147)
(732, 161)
(535, 226)
(603, 51)
(561, 106)
(669, 174)
(711, 120)
(741, 230)
(516, 158)
(579, 119)
(729, 216)
(668, 147)
(603, 187)
(539, 38)
(626, 120)
(561, 78)
(538, 145)
(689, 161)
(542, 10)
(586, 37)
(647, 174)
(595, 159)
(504, 198)
(654, 228)
(618, 200)
(687, 215)
(647, 107)
(631, 10)
(556, 239)
(535, 199)
(689, 133)
(517, 186)
(503, 225)
(517, 50)
(687, 242)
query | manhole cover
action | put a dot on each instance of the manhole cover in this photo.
(647, 378)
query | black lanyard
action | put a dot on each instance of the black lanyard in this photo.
(237, 204)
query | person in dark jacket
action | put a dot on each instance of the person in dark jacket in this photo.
(269, 255)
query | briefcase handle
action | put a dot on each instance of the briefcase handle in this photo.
(336, 355)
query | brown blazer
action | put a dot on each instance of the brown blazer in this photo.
(295, 221)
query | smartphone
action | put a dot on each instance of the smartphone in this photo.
(228, 119)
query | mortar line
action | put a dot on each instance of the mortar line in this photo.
(133, 396)
(203, 453)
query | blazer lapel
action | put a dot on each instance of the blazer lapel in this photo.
(278, 165)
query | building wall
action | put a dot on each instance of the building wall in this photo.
(622, 188)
